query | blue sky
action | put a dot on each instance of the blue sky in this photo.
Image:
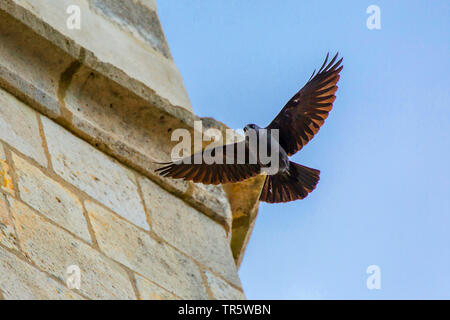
(384, 151)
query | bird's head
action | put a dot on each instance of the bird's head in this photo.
(251, 126)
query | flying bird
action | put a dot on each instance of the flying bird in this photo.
(298, 122)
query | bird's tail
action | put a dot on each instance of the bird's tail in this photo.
(295, 183)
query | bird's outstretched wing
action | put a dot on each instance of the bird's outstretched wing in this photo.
(302, 117)
(237, 164)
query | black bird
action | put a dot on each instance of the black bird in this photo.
(298, 122)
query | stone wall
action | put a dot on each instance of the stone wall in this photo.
(84, 114)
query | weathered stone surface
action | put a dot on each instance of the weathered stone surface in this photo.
(19, 127)
(158, 73)
(141, 253)
(6, 182)
(21, 281)
(127, 120)
(213, 197)
(96, 86)
(8, 236)
(137, 18)
(125, 123)
(119, 117)
(53, 250)
(94, 173)
(150, 291)
(222, 290)
(50, 198)
(189, 230)
(244, 202)
(151, 4)
(34, 72)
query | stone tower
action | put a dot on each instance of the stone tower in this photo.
(89, 95)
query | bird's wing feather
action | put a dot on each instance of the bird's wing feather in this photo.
(294, 184)
(230, 169)
(303, 115)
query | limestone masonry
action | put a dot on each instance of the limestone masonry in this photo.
(84, 114)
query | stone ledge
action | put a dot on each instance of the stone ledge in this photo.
(111, 110)
(135, 63)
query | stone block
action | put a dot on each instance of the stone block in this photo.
(137, 18)
(150, 291)
(222, 290)
(53, 250)
(6, 182)
(189, 230)
(19, 127)
(21, 281)
(153, 259)
(50, 198)
(93, 172)
(8, 236)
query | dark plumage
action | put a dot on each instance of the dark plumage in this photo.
(298, 122)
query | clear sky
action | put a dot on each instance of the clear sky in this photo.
(384, 151)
